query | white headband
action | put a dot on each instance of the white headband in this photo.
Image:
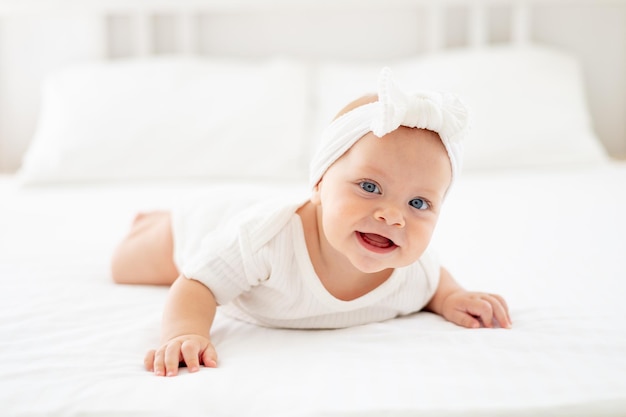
(443, 113)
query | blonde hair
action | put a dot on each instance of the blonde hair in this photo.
(369, 98)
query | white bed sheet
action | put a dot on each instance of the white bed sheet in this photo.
(552, 242)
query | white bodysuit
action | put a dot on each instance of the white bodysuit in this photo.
(258, 268)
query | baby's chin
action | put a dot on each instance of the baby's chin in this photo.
(377, 267)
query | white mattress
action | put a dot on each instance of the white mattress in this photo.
(552, 242)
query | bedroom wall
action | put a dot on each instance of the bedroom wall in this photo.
(32, 45)
(596, 34)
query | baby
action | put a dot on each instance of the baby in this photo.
(355, 252)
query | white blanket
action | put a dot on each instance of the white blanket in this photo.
(552, 242)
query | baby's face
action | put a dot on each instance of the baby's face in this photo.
(380, 201)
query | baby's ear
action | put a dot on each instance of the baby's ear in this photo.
(315, 194)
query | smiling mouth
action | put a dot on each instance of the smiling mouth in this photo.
(376, 243)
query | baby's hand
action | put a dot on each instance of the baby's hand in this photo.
(469, 309)
(191, 349)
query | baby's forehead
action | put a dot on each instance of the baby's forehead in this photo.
(405, 153)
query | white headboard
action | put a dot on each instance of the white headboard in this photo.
(39, 36)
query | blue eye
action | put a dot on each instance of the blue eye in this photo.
(419, 204)
(369, 187)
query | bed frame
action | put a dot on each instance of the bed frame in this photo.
(37, 37)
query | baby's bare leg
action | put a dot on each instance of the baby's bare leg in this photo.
(146, 254)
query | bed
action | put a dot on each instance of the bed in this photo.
(537, 216)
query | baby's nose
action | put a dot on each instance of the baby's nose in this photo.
(390, 215)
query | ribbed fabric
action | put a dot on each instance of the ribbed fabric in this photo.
(259, 270)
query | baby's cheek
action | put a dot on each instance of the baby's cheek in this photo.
(420, 239)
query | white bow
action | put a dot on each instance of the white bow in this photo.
(443, 113)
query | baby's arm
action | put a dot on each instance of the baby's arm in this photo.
(187, 320)
(466, 308)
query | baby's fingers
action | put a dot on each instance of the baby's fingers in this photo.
(148, 361)
(463, 318)
(158, 361)
(470, 309)
(500, 310)
(489, 308)
(172, 358)
(190, 352)
(480, 308)
(209, 357)
(164, 360)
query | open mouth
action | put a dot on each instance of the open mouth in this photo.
(376, 243)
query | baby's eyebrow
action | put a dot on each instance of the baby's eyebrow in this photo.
(373, 170)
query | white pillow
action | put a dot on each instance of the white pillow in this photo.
(528, 104)
(171, 118)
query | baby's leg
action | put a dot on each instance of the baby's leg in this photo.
(146, 254)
